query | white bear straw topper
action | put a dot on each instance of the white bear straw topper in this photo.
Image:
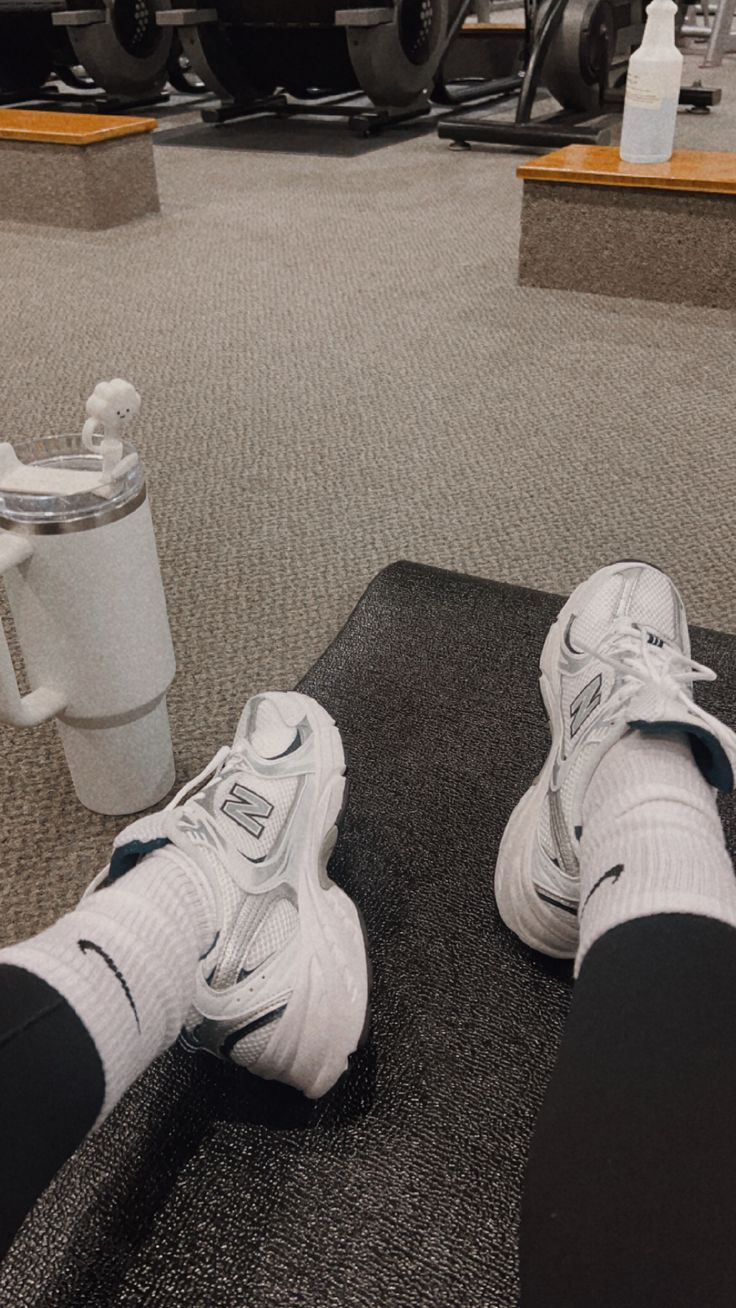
(113, 405)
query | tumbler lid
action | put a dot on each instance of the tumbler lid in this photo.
(63, 486)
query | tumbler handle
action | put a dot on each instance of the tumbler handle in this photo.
(42, 703)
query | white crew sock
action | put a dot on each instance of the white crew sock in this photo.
(125, 961)
(652, 839)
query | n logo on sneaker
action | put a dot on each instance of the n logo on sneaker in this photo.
(585, 704)
(248, 809)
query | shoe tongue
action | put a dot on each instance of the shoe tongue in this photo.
(640, 594)
(653, 603)
(270, 736)
(594, 622)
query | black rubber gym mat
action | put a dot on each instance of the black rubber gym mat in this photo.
(402, 1189)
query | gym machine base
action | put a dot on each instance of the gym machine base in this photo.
(579, 51)
(549, 133)
(554, 131)
(363, 119)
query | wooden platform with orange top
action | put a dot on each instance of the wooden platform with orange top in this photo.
(592, 222)
(68, 129)
(76, 170)
(601, 165)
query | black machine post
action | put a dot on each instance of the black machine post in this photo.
(482, 62)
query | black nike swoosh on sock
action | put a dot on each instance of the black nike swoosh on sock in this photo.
(85, 946)
(612, 874)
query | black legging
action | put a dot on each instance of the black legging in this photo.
(629, 1189)
(51, 1090)
(630, 1193)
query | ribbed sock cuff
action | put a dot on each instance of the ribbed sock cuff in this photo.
(125, 961)
(652, 840)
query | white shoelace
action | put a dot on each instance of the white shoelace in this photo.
(632, 657)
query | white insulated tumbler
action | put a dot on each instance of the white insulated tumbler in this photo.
(84, 587)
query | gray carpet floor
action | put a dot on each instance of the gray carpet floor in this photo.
(338, 370)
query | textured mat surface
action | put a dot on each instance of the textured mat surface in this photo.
(207, 1190)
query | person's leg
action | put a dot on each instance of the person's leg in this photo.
(628, 1194)
(216, 918)
(43, 1046)
(616, 857)
(84, 1008)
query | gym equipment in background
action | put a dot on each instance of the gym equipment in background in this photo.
(579, 51)
(323, 54)
(179, 71)
(119, 48)
(484, 58)
(114, 49)
(120, 45)
(717, 30)
(28, 46)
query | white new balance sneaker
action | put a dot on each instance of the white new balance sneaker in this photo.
(617, 659)
(283, 988)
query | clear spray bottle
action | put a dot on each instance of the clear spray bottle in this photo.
(653, 89)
